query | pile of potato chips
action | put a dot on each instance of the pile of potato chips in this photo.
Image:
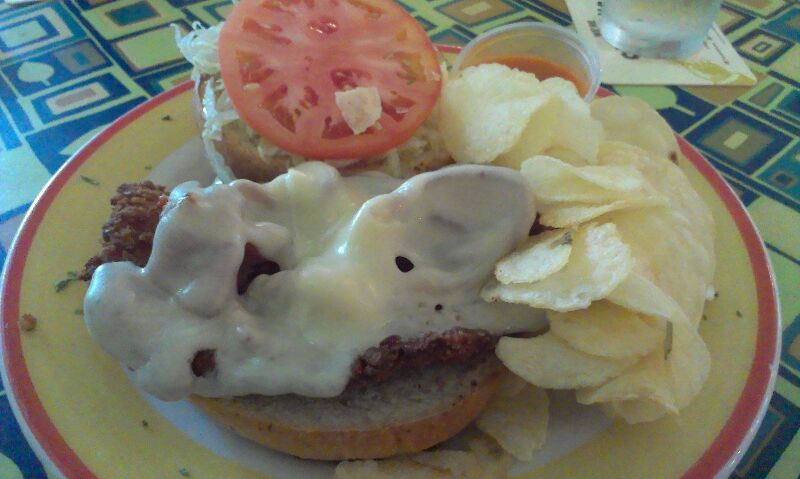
(624, 267)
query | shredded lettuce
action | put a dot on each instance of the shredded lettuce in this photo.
(268, 150)
(199, 47)
(218, 111)
(425, 144)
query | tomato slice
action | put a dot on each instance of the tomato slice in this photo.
(283, 60)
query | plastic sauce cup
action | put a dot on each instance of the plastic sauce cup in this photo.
(541, 49)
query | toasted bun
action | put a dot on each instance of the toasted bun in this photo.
(408, 413)
(239, 148)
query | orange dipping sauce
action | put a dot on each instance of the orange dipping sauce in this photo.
(539, 66)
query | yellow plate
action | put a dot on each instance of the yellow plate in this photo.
(86, 420)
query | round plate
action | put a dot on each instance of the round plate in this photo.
(85, 419)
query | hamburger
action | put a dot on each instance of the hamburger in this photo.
(333, 312)
(324, 316)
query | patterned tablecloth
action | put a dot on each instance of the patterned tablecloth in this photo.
(67, 69)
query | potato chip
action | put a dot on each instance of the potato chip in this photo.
(549, 362)
(605, 329)
(484, 111)
(492, 112)
(648, 379)
(565, 215)
(680, 266)
(541, 256)
(535, 138)
(495, 462)
(598, 263)
(456, 463)
(510, 385)
(633, 121)
(639, 294)
(670, 181)
(372, 470)
(669, 383)
(480, 462)
(518, 422)
(406, 467)
(564, 88)
(566, 155)
(690, 363)
(553, 180)
(635, 410)
(568, 195)
(483, 460)
(675, 244)
(555, 126)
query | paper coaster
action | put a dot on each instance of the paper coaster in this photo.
(717, 62)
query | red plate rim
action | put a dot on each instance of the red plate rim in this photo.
(720, 457)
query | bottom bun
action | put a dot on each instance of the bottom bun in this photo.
(408, 413)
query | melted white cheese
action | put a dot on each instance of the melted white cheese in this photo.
(339, 292)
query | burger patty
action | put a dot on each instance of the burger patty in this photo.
(394, 353)
(128, 236)
(128, 233)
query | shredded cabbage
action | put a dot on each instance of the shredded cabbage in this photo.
(200, 48)
(426, 143)
(218, 111)
(268, 150)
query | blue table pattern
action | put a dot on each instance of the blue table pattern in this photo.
(68, 69)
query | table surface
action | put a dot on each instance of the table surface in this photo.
(67, 69)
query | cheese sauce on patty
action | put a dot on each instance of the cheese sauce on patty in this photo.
(361, 258)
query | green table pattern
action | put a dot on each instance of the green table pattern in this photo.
(67, 69)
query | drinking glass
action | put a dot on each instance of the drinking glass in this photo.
(657, 28)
